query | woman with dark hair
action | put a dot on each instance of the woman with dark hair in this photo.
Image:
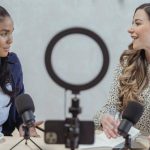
(132, 78)
(11, 78)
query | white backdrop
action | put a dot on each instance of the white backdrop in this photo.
(37, 21)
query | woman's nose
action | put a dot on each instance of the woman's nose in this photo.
(10, 39)
(130, 30)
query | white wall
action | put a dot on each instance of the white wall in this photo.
(37, 21)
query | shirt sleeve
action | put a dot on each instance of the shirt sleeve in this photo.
(19, 86)
(113, 99)
(14, 119)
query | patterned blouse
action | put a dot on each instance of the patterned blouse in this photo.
(111, 106)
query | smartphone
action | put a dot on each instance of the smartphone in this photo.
(56, 132)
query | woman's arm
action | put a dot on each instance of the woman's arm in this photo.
(106, 112)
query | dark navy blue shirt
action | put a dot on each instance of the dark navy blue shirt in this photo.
(14, 120)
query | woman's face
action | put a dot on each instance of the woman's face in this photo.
(6, 29)
(140, 30)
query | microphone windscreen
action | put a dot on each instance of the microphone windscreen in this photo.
(133, 111)
(24, 103)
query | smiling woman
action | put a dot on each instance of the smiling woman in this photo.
(132, 77)
(140, 32)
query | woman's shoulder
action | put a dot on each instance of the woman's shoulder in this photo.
(13, 58)
(118, 69)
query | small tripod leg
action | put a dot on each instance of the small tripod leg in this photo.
(26, 137)
(35, 144)
(26, 143)
(17, 144)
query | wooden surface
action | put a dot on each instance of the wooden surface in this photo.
(9, 142)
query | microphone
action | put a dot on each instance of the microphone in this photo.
(25, 108)
(130, 116)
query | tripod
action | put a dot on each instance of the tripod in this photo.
(26, 137)
(72, 126)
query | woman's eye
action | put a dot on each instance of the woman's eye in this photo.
(4, 34)
(138, 23)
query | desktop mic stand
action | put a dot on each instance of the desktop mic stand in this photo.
(72, 126)
(26, 137)
(127, 144)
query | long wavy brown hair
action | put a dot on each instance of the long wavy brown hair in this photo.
(134, 77)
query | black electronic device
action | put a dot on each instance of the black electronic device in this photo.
(70, 132)
(57, 131)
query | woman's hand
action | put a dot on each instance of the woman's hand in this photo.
(110, 125)
(32, 130)
(149, 138)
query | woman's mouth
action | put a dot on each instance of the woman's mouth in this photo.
(6, 49)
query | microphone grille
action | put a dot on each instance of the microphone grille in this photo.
(133, 111)
(23, 103)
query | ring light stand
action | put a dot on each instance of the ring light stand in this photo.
(73, 124)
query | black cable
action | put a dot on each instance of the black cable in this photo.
(40, 129)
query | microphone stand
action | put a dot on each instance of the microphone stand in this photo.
(26, 137)
(127, 144)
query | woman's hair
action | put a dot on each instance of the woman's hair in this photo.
(3, 13)
(145, 7)
(134, 77)
(5, 76)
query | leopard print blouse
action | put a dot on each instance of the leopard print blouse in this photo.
(111, 106)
